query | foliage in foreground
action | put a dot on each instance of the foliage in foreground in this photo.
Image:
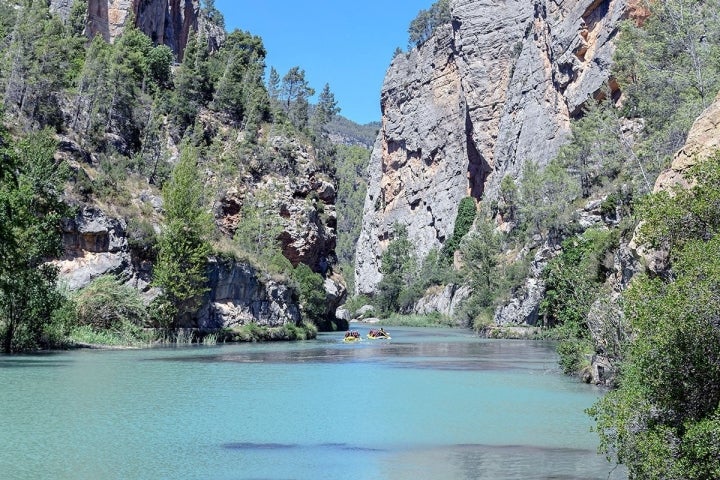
(664, 419)
(30, 211)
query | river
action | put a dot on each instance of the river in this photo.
(428, 404)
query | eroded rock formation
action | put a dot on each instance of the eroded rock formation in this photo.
(167, 22)
(484, 96)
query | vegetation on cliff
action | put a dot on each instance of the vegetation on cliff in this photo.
(227, 150)
(424, 24)
(664, 419)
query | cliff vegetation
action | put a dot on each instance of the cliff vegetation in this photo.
(206, 190)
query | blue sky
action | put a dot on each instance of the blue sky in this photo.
(346, 44)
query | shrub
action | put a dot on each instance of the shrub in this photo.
(312, 294)
(106, 303)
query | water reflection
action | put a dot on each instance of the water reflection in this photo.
(419, 351)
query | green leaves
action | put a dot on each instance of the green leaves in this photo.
(183, 249)
(668, 72)
(467, 210)
(312, 294)
(30, 212)
(663, 420)
(424, 25)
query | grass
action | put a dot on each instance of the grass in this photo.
(252, 332)
(431, 320)
(127, 336)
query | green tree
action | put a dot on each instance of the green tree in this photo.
(36, 65)
(467, 210)
(296, 93)
(273, 90)
(670, 219)
(544, 197)
(259, 229)
(240, 90)
(193, 84)
(398, 268)
(325, 110)
(573, 280)
(596, 150)
(30, 211)
(480, 250)
(312, 295)
(183, 248)
(426, 21)
(212, 14)
(159, 64)
(127, 78)
(91, 100)
(152, 157)
(508, 199)
(662, 422)
(668, 71)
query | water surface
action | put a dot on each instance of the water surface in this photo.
(428, 404)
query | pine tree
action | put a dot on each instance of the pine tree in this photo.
(181, 268)
(295, 94)
(325, 110)
(36, 62)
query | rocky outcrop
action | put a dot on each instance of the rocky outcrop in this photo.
(167, 22)
(304, 204)
(444, 300)
(485, 95)
(95, 245)
(703, 140)
(239, 295)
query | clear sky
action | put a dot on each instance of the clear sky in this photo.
(348, 44)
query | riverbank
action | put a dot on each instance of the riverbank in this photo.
(133, 337)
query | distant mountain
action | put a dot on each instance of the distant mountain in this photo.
(347, 132)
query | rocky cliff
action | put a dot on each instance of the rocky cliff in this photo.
(166, 22)
(486, 94)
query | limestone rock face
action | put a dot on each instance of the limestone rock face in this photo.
(95, 245)
(167, 22)
(703, 140)
(305, 202)
(239, 295)
(445, 301)
(477, 101)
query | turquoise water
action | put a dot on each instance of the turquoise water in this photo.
(429, 404)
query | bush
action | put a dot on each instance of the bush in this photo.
(313, 299)
(106, 303)
(252, 332)
(463, 222)
(575, 355)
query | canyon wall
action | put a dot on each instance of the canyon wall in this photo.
(167, 22)
(486, 94)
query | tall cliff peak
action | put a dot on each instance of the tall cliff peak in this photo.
(167, 22)
(486, 94)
